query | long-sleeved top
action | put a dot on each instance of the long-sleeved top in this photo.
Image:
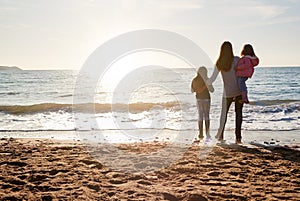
(231, 88)
(245, 67)
(202, 90)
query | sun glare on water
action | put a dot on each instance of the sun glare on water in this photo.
(124, 66)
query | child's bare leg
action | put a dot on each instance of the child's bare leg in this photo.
(200, 125)
(207, 125)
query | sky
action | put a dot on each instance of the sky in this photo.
(61, 34)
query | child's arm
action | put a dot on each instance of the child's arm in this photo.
(197, 89)
(200, 90)
(210, 88)
(254, 60)
(243, 64)
(192, 88)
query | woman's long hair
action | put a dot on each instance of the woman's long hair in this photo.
(225, 59)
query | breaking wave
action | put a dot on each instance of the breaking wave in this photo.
(272, 102)
(87, 107)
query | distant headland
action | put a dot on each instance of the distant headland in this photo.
(9, 68)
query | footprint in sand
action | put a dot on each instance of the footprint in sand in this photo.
(37, 178)
(214, 173)
(14, 163)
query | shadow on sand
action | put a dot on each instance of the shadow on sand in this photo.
(267, 151)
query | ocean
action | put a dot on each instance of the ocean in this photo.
(149, 100)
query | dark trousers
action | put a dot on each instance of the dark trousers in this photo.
(226, 103)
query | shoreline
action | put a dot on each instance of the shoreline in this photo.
(50, 169)
(271, 138)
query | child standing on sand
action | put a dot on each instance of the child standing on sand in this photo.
(203, 100)
(245, 69)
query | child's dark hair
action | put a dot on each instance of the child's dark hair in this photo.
(247, 50)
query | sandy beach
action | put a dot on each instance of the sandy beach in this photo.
(43, 169)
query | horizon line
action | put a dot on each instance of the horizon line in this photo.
(75, 69)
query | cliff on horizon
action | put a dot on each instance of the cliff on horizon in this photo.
(9, 68)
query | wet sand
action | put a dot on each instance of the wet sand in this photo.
(43, 169)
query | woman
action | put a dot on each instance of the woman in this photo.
(226, 64)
